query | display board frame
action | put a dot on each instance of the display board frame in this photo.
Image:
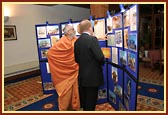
(126, 56)
(46, 36)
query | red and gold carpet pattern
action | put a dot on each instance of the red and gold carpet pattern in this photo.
(23, 93)
(145, 103)
(147, 75)
(104, 107)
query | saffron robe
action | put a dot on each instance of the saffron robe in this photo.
(64, 72)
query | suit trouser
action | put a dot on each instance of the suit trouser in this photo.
(88, 97)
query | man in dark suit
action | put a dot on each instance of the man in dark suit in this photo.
(90, 58)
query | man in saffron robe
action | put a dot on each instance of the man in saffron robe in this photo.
(64, 70)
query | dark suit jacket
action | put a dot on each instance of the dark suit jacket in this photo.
(90, 58)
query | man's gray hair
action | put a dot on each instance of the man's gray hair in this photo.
(67, 28)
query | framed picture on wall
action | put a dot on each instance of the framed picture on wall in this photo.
(10, 32)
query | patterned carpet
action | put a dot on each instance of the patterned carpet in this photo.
(23, 93)
(149, 76)
(26, 92)
(20, 94)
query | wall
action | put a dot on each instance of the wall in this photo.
(21, 54)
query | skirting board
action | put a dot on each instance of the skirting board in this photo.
(20, 68)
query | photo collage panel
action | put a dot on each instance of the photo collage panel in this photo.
(47, 36)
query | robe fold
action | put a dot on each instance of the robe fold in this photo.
(64, 71)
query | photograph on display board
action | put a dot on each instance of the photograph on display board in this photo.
(53, 29)
(109, 25)
(54, 39)
(126, 101)
(132, 42)
(41, 32)
(44, 43)
(99, 28)
(106, 52)
(102, 93)
(118, 38)
(131, 61)
(62, 27)
(118, 90)
(129, 87)
(48, 68)
(111, 40)
(114, 75)
(126, 34)
(115, 55)
(44, 53)
(75, 25)
(48, 86)
(121, 107)
(126, 16)
(117, 21)
(112, 97)
(133, 18)
(123, 57)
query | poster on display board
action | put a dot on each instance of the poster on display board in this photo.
(76, 28)
(99, 27)
(62, 26)
(41, 31)
(111, 40)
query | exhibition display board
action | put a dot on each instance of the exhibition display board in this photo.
(120, 51)
(122, 70)
(46, 36)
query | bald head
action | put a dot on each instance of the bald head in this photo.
(85, 26)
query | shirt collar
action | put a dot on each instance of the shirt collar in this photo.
(86, 33)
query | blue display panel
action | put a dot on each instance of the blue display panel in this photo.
(99, 31)
(122, 70)
(131, 20)
(102, 92)
(115, 86)
(46, 35)
(47, 84)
